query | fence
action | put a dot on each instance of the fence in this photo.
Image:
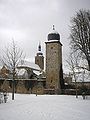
(3, 97)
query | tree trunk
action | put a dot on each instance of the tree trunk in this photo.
(89, 64)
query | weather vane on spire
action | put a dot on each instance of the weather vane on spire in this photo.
(53, 27)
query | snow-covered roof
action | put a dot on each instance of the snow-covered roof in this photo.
(40, 52)
(37, 72)
(21, 71)
(82, 77)
(1, 67)
(52, 41)
(53, 32)
(28, 64)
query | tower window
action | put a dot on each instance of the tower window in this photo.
(51, 47)
(37, 61)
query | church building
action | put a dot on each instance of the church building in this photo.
(31, 78)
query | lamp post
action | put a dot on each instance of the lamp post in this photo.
(36, 85)
(13, 89)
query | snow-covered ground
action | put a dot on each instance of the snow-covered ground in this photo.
(45, 107)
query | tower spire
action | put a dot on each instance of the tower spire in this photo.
(53, 27)
(39, 47)
(39, 59)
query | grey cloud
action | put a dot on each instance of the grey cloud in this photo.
(29, 21)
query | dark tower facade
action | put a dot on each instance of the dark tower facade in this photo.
(39, 58)
(54, 61)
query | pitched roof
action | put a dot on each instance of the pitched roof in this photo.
(28, 64)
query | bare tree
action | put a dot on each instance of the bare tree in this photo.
(11, 58)
(78, 72)
(73, 62)
(80, 34)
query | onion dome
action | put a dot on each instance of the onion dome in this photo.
(53, 35)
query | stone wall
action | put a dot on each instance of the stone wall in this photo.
(21, 88)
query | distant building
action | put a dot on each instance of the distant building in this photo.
(39, 58)
(4, 72)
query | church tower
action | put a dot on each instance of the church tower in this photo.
(39, 59)
(54, 74)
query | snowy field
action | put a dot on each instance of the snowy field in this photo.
(45, 107)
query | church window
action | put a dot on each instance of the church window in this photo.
(51, 47)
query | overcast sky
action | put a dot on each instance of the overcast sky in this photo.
(28, 22)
